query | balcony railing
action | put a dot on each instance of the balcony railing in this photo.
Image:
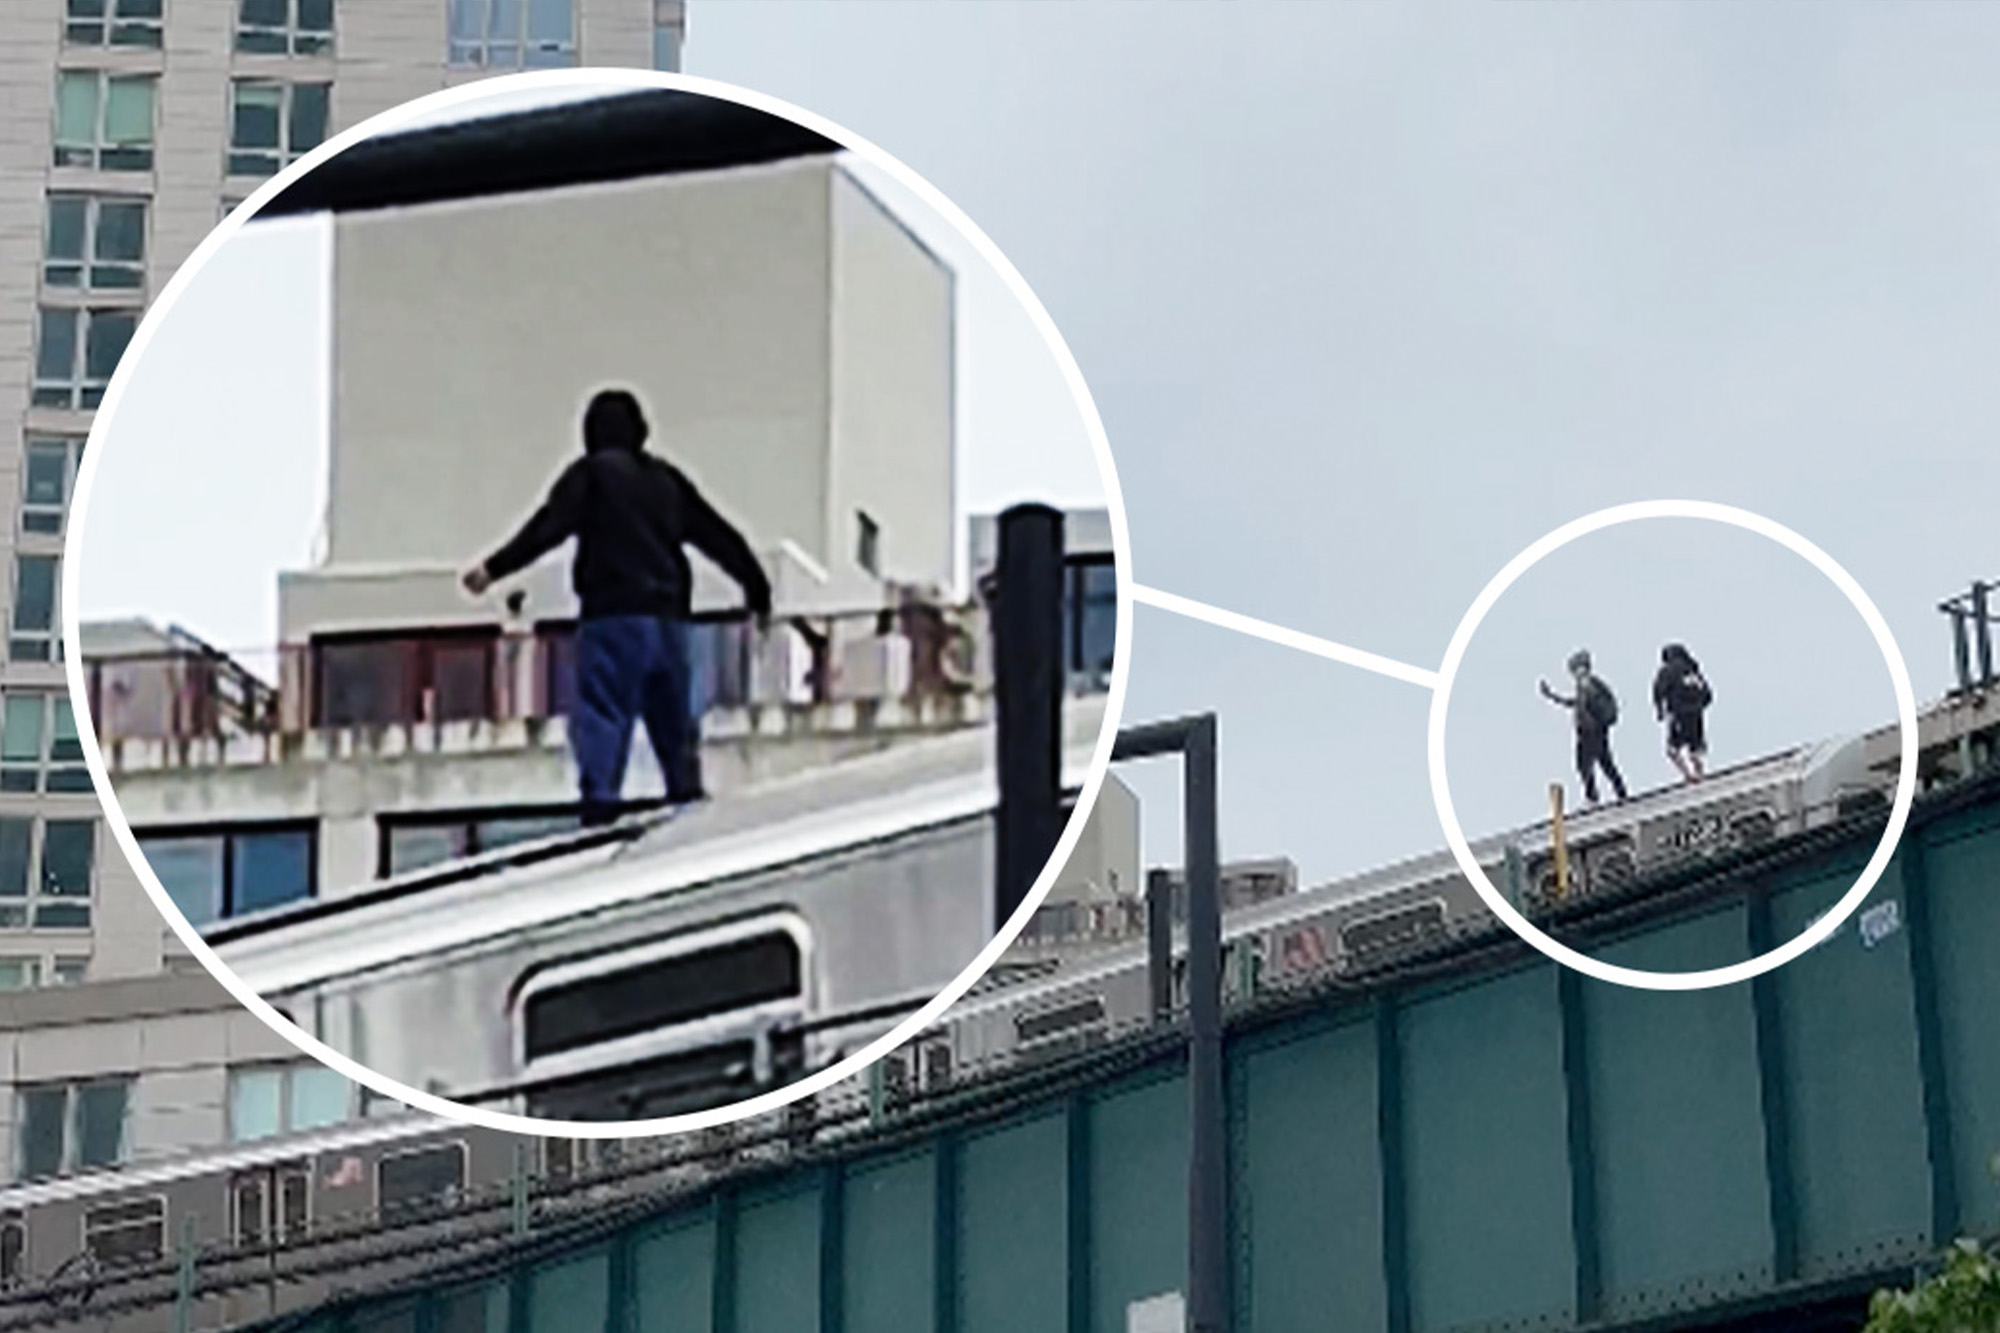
(417, 677)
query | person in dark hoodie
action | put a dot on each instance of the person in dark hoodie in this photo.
(633, 515)
(1595, 709)
(1680, 699)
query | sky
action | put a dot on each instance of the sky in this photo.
(233, 388)
(1370, 297)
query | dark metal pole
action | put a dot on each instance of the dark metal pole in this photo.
(1961, 646)
(1982, 619)
(1193, 738)
(1027, 691)
(1160, 943)
(1208, 1240)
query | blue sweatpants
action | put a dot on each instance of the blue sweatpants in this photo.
(628, 669)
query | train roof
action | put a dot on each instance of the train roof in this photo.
(831, 810)
(1431, 867)
(624, 136)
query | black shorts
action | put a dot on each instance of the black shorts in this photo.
(1686, 732)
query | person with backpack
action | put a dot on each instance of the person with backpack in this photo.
(632, 515)
(1594, 709)
(1680, 699)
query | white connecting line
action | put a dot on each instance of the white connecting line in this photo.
(1289, 638)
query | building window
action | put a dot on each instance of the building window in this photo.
(269, 1100)
(512, 34)
(411, 844)
(285, 27)
(37, 581)
(868, 544)
(271, 1204)
(47, 874)
(126, 1233)
(39, 747)
(95, 243)
(76, 350)
(1090, 622)
(426, 1176)
(135, 23)
(48, 475)
(104, 120)
(69, 1127)
(217, 874)
(384, 681)
(273, 124)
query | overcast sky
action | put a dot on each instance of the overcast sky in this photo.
(1372, 296)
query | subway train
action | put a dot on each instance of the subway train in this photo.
(668, 964)
(282, 1224)
(274, 1218)
(1352, 926)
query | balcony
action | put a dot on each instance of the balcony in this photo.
(438, 689)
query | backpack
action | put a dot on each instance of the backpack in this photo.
(1690, 693)
(1697, 686)
(1600, 703)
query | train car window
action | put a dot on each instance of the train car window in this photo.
(13, 1248)
(1394, 930)
(428, 1175)
(126, 1233)
(559, 1158)
(708, 1076)
(664, 992)
(937, 1064)
(1049, 1023)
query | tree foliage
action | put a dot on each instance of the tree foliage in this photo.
(1962, 1297)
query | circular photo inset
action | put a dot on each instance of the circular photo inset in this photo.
(597, 604)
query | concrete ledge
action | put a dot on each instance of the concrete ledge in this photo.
(886, 718)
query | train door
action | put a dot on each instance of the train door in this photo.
(270, 1205)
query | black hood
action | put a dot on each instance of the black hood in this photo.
(614, 420)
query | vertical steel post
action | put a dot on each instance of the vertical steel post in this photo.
(1160, 944)
(1027, 690)
(1961, 645)
(1208, 1236)
(184, 1279)
(519, 1183)
(1982, 620)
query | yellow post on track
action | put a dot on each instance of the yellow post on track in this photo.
(1559, 843)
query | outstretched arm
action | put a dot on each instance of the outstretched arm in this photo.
(715, 537)
(549, 527)
(1553, 697)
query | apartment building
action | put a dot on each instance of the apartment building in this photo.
(128, 129)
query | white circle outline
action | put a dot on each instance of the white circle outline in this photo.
(1906, 713)
(608, 80)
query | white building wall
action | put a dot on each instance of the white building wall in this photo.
(1105, 861)
(469, 336)
(892, 395)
